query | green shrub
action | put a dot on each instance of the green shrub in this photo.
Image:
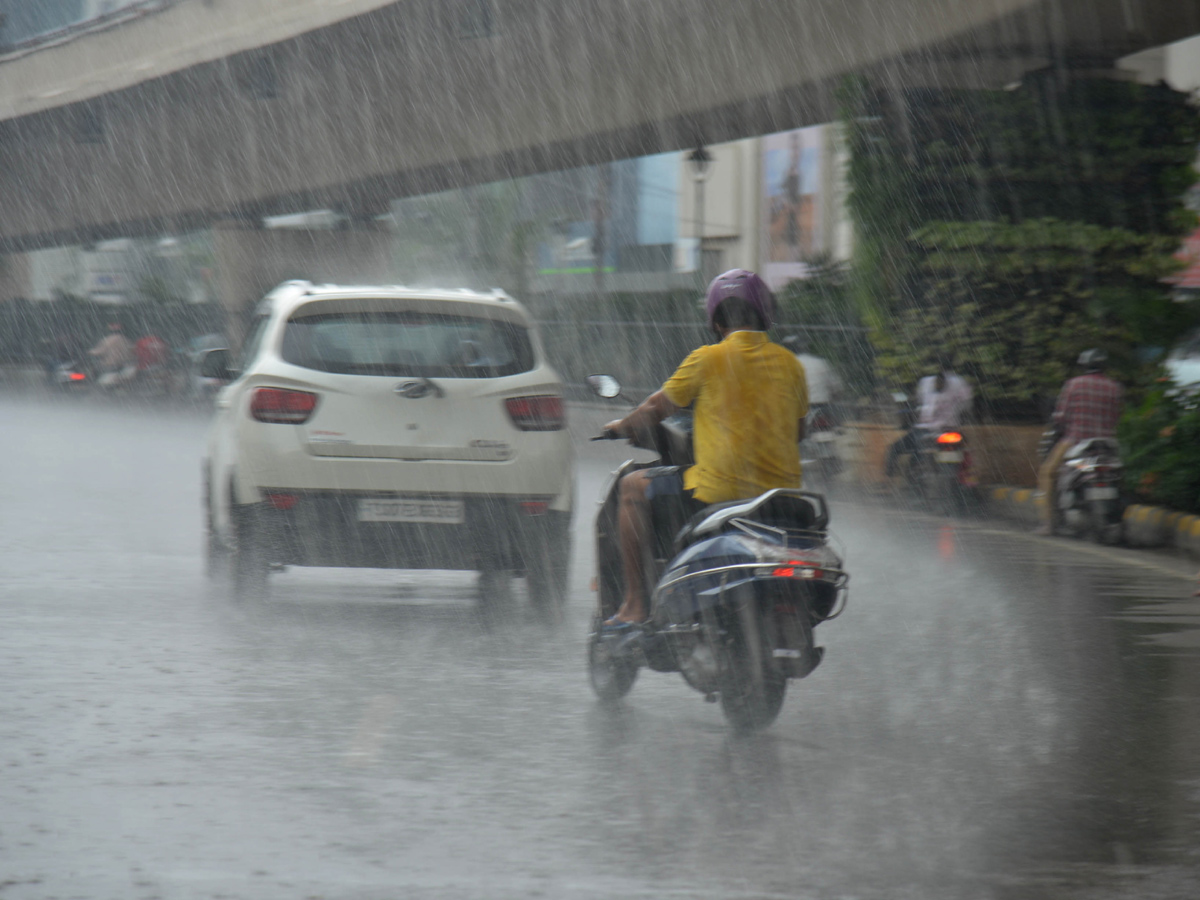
(1161, 438)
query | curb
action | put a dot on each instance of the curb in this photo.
(1145, 526)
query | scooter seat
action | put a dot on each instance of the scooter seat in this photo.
(792, 510)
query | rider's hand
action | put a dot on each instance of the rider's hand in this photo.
(616, 426)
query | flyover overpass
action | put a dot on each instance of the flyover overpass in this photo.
(203, 110)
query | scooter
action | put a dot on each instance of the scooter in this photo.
(939, 472)
(69, 375)
(819, 449)
(739, 589)
(1088, 489)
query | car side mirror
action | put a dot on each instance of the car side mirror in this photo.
(215, 364)
(604, 386)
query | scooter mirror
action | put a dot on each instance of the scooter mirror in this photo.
(604, 386)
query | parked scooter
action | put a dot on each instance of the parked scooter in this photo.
(739, 589)
(1088, 490)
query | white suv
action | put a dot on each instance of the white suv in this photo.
(389, 427)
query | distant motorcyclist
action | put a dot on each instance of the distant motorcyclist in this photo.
(1088, 406)
(750, 399)
(115, 357)
(943, 400)
(824, 386)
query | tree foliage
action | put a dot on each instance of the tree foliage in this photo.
(1009, 229)
(1161, 438)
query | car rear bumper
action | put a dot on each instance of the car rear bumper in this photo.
(323, 528)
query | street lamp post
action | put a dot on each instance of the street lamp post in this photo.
(700, 160)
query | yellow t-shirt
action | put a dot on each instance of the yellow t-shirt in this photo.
(749, 395)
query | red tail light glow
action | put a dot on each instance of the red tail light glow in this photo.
(798, 568)
(542, 413)
(949, 437)
(282, 407)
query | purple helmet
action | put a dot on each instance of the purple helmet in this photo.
(747, 286)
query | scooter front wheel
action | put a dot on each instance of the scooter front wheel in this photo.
(611, 676)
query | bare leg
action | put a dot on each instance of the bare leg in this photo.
(633, 528)
(1047, 475)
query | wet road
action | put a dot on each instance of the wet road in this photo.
(996, 717)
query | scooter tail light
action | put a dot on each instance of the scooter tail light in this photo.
(538, 413)
(278, 406)
(798, 568)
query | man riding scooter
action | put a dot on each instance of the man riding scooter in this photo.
(1088, 406)
(943, 400)
(750, 400)
(114, 355)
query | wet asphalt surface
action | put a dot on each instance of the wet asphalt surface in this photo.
(997, 716)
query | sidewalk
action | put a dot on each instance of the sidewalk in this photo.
(1145, 526)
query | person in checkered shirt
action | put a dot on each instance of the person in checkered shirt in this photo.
(1088, 406)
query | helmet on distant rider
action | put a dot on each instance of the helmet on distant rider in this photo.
(743, 285)
(1093, 360)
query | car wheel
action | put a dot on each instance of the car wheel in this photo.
(547, 561)
(251, 565)
(216, 554)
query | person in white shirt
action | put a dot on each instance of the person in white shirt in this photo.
(944, 399)
(823, 382)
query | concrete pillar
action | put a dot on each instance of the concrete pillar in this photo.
(251, 261)
(15, 276)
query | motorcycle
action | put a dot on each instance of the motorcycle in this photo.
(939, 472)
(69, 375)
(1088, 489)
(819, 450)
(738, 590)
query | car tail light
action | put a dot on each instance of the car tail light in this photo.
(949, 437)
(282, 407)
(543, 413)
(281, 501)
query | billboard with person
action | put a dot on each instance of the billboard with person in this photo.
(792, 178)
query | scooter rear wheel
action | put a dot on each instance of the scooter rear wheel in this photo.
(750, 699)
(611, 677)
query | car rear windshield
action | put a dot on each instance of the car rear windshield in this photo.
(408, 343)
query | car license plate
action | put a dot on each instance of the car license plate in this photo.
(1100, 493)
(948, 456)
(408, 509)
